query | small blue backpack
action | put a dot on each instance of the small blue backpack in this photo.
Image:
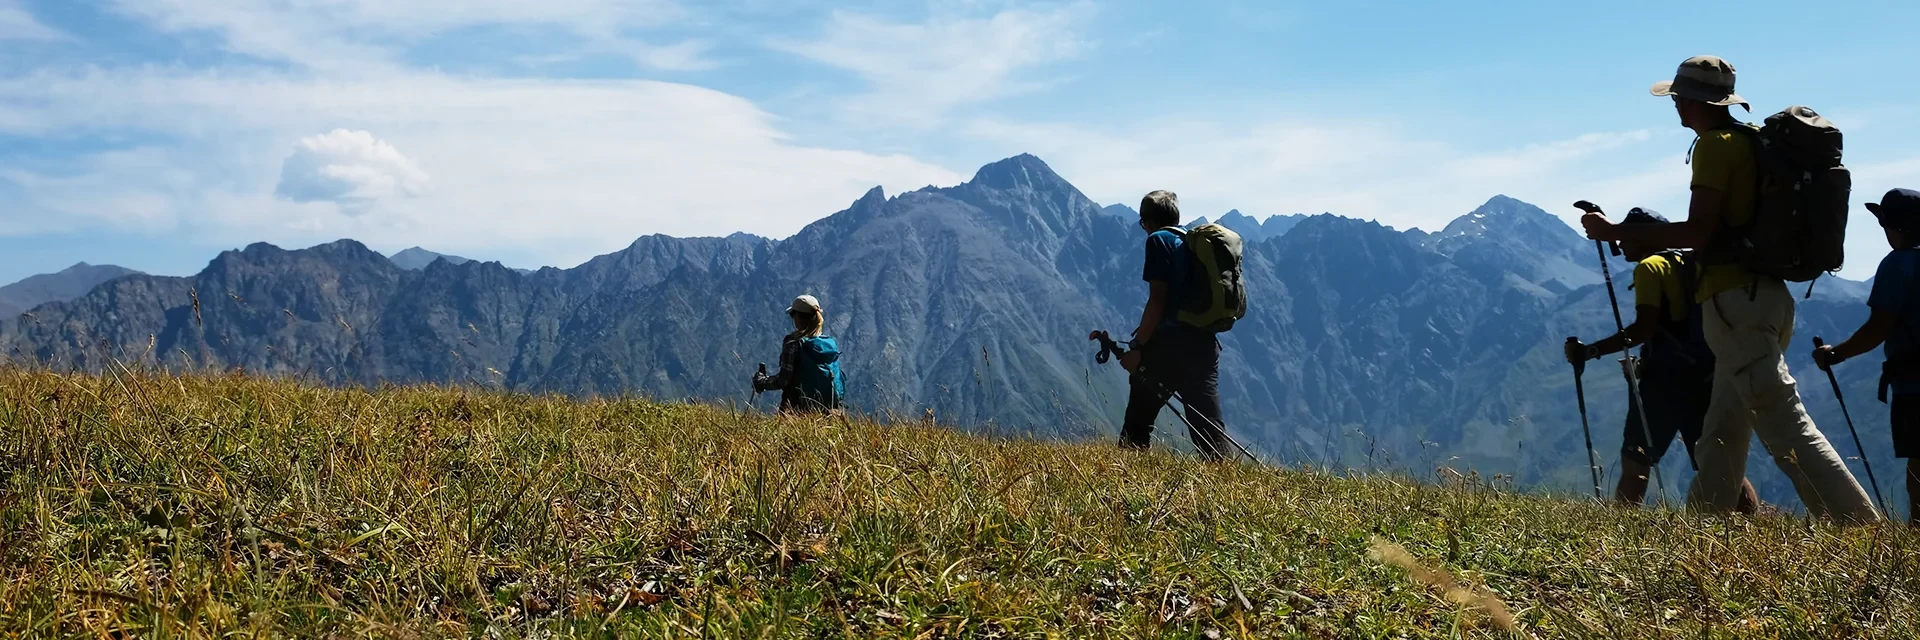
(817, 374)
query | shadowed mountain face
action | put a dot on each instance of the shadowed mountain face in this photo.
(67, 284)
(1363, 345)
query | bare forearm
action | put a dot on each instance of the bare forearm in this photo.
(1703, 215)
(1676, 235)
(1868, 337)
(1638, 333)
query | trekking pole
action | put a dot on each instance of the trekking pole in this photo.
(1817, 343)
(756, 388)
(1626, 368)
(1217, 428)
(1580, 392)
(1110, 348)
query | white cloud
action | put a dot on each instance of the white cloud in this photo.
(556, 171)
(350, 168)
(17, 24)
(918, 72)
(365, 34)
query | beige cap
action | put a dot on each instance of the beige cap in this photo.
(1708, 79)
(804, 303)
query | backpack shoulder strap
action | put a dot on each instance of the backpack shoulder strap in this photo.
(1759, 147)
(1689, 272)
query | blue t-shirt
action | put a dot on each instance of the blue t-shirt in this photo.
(1893, 293)
(1167, 262)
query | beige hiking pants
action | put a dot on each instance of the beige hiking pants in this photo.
(1748, 329)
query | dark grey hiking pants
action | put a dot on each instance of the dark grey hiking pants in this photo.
(1180, 360)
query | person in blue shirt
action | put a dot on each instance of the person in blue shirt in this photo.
(1895, 321)
(1170, 357)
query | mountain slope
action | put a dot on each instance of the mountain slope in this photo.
(67, 284)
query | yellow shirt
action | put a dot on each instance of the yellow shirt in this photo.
(1656, 283)
(1723, 161)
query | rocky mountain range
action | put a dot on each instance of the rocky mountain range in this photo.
(1364, 346)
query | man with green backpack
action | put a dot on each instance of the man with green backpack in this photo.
(1769, 205)
(1194, 292)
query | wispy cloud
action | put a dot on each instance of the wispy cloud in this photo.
(361, 34)
(917, 72)
(17, 24)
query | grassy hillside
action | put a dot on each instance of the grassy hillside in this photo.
(160, 506)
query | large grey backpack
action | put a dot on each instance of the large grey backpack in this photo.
(1799, 225)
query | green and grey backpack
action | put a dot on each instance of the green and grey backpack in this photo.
(1216, 293)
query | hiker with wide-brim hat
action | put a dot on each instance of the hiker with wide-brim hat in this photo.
(1747, 315)
(809, 378)
(1895, 322)
(1674, 370)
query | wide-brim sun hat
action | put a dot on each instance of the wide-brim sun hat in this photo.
(1707, 79)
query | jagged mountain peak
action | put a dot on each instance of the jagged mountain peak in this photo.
(1506, 215)
(342, 251)
(1501, 207)
(1021, 170)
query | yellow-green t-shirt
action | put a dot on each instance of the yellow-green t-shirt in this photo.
(1723, 160)
(1656, 283)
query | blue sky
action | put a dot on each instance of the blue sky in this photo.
(155, 133)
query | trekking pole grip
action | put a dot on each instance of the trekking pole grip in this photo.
(1579, 366)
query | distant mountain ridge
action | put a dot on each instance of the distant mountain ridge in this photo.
(1251, 229)
(1363, 345)
(416, 258)
(67, 284)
